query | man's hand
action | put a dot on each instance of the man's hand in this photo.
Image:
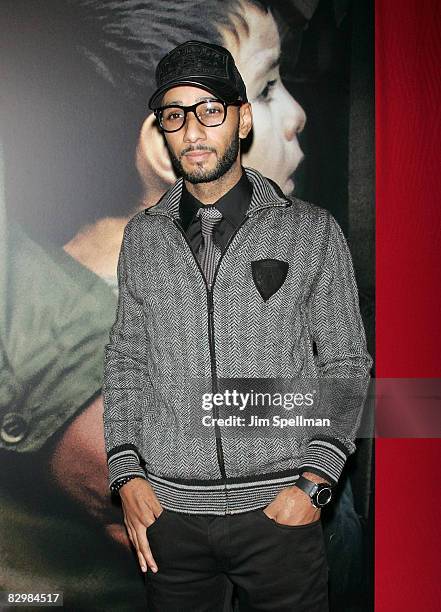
(292, 506)
(141, 508)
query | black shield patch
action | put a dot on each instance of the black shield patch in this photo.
(269, 275)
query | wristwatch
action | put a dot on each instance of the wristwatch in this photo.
(320, 493)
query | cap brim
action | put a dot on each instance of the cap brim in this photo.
(216, 87)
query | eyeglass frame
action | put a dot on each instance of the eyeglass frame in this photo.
(192, 109)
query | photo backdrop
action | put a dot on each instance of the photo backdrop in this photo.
(80, 155)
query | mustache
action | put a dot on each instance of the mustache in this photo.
(198, 148)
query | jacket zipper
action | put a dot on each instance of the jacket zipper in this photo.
(210, 309)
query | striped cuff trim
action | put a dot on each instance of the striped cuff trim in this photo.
(324, 457)
(122, 447)
(124, 463)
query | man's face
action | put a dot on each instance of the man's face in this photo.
(198, 153)
(277, 117)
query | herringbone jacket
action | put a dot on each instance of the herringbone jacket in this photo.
(283, 305)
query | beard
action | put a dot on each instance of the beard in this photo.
(199, 174)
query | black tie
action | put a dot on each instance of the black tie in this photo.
(209, 253)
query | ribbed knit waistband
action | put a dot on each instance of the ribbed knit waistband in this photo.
(232, 496)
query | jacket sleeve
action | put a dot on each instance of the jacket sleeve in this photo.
(125, 376)
(343, 362)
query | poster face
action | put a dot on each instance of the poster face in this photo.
(81, 155)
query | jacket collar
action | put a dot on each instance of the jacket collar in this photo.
(265, 193)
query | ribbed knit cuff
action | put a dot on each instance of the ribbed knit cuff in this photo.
(326, 458)
(123, 461)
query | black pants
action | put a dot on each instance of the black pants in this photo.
(273, 567)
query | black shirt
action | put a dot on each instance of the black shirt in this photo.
(233, 205)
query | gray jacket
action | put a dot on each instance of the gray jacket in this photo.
(283, 306)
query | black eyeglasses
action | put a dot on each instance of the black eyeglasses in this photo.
(209, 113)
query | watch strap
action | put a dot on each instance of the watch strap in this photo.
(306, 485)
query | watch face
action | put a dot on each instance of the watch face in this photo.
(323, 496)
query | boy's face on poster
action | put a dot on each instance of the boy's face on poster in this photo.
(277, 117)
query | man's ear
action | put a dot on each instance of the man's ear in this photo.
(152, 157)
(246, 120)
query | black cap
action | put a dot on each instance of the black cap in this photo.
(203, 65)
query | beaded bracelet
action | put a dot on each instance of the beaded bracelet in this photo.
(122, 481)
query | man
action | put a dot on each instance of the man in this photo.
(225, 277)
